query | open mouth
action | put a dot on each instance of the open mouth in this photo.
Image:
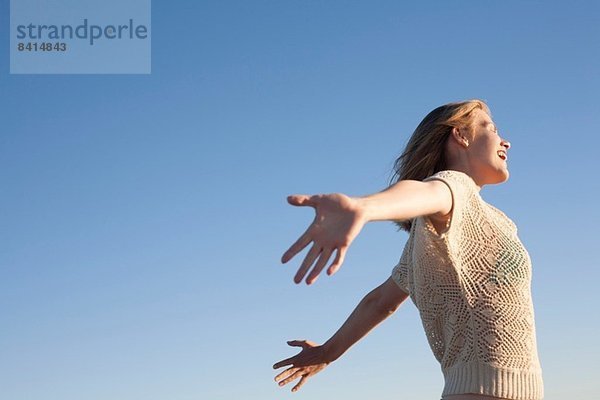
(502, 155)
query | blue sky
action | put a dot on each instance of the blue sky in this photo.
(143, 216)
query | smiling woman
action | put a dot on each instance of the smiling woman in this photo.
(429, 150)
(463, 265)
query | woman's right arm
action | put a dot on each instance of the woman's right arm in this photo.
(407, 200)
(374, 308)
(340, 218)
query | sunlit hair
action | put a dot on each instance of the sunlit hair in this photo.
(425, 152)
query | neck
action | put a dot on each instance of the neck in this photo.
(462, 167)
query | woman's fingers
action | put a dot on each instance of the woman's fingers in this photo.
(314, 274)
(285, 374)
(305, 344)
(305, 239)
(302, 380)
(304, 364)
(292, 374)
(297, 247)
(308, 261)
(301, 343)
(283, 363)
(339, 260)
(300, 200)
(295, 375)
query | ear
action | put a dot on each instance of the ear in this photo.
(460, 139)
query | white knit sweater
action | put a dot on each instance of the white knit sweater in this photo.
(471, 284)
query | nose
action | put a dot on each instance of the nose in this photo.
(505, 143)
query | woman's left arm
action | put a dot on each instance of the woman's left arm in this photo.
(375, 307)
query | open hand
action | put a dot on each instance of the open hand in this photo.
(310, 361)
(337, 222)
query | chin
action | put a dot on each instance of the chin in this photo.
(497, 176)
(503, 176)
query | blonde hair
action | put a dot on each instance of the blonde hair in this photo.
(425, 152)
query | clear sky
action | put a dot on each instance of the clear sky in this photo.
(143, 216)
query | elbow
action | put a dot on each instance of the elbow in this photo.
(387, 308)
(381, 305)
(386, 299)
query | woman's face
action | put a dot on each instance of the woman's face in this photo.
(487, 152)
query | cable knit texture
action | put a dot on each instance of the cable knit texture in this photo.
(472, 286)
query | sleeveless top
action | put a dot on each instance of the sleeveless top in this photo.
(472, 286)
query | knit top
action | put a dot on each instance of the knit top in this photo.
(472, 286)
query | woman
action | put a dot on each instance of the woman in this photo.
(463, 264)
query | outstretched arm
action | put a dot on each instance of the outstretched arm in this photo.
(372, 310)
(340, 218)
(407, 200)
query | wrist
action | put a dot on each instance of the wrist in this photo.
(361, 208)
(330, 351)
